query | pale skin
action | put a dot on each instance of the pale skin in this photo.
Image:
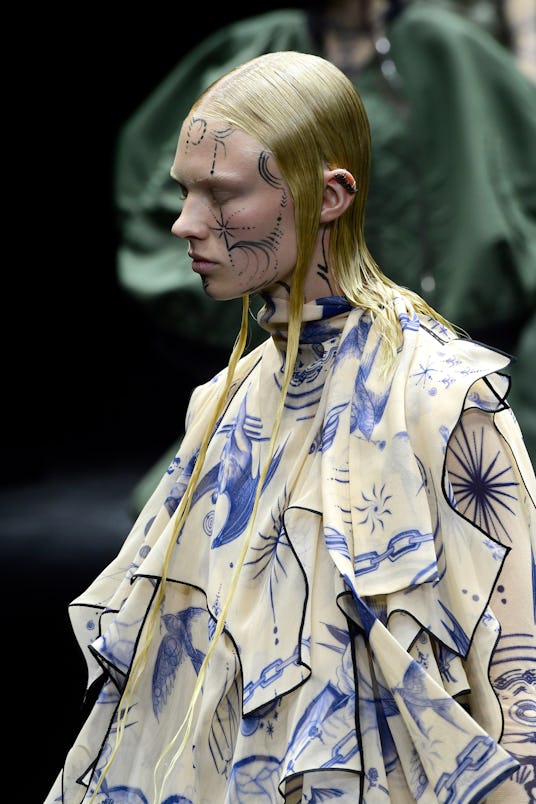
(238, 215)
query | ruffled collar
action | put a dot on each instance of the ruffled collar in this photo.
(322, 319)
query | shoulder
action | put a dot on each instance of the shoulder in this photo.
(442, 365)
(205, 396)
(434, 337)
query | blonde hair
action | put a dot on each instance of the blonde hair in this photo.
(310, 117)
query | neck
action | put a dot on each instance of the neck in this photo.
(320, 281)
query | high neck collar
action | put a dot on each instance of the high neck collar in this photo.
(315, 328)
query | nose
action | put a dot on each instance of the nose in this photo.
(191, 221)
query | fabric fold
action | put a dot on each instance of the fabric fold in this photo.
(359, 652)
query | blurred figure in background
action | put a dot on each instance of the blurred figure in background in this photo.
(330, 595)
(513, 23)
(451, 212)
(521, 23)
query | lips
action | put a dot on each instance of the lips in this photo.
(200, 264)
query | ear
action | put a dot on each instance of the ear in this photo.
(339, 190)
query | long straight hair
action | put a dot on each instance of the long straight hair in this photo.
(308, 114)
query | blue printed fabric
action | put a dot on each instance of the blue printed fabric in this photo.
(380, 644)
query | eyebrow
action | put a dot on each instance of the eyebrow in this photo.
(215, 179)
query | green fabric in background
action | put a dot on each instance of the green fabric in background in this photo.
(453, 184)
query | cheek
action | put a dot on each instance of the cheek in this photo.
(266, 255)
(275, 227)
(262, 219)
(288, 231)
(260, 235)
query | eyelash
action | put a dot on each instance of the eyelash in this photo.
(214, 200)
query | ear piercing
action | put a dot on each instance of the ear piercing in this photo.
(343, 181)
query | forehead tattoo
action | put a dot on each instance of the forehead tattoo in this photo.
(258, 254)
(196, 132)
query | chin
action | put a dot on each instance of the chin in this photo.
(223, 294)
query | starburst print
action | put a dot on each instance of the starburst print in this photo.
(481, 479)
(375, 508)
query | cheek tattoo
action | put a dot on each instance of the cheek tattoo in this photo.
(341, 178)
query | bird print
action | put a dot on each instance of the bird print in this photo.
(418, 701)
(174, 648)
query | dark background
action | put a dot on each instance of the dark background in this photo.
(84, 386)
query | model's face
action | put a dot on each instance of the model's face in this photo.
(237, 216)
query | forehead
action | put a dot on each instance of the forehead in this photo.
(209, 146)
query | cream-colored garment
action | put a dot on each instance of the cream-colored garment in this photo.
(362, 657)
